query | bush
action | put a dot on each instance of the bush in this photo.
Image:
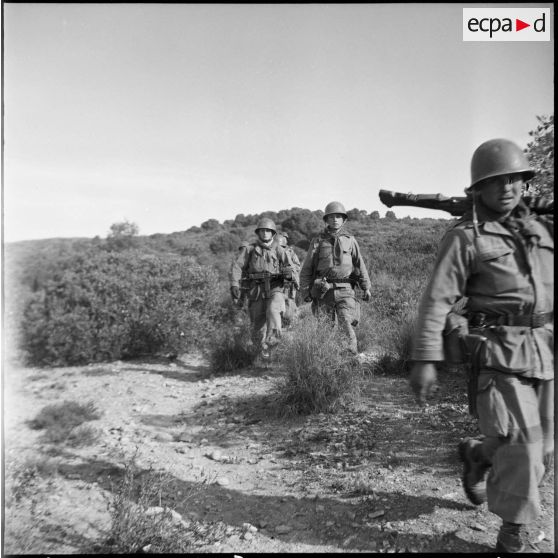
(98, 306)
(224, 242)
(231, 347)
(63, 422)
(320, 375)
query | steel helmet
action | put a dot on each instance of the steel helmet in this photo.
(334, 207)
(266, 223)
(496, 157)
(283, 239)
(244, 244)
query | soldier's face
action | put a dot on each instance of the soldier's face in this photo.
(265, 234)
(335, 221)
(502, 193)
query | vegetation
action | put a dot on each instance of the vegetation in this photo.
(76, 301)
(64, 422)
(231, 348)
(133, 529)
(319, 376)
(540, 152)
(98, 305)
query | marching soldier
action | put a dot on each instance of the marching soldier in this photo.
(264, 266)
(291, 287)
(500, 256)
(332, 268)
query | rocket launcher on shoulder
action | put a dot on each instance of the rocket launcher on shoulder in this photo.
(456, 206)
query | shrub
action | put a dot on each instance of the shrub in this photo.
(320, 375)
(82, 435)
(61, 422)
(224, 242)
(98, 306)
(231, 348)
(210, 225)
(395, 356)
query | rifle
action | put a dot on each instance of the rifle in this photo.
(265, 278)
(456, 206)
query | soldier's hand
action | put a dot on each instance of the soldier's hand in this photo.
(367, 295)
(235, 293)
(423, 380)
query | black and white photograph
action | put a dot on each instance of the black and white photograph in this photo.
(277, 278)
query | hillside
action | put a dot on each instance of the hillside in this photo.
(214, 243)
(398, 252)
(211, 456)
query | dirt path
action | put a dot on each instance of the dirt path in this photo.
(380, 477)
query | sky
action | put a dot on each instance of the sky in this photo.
(167, 115)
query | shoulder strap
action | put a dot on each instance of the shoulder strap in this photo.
(315, 243)
(250, 249)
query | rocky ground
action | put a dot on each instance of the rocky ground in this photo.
(381, 476)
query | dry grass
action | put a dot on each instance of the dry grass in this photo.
(141, 522)
(320, 375)
(62, 423)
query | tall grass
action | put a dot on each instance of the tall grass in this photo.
(320, 375)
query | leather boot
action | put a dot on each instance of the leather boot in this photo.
(512, 538)
(475, 469)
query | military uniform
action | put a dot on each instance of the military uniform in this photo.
(508, 277)
(337, 258)
(504, 265)
(291, 287)
(264, 308)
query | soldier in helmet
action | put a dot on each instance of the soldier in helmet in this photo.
(265, 266)
(500, 257)
(332, 268)
(291, 287)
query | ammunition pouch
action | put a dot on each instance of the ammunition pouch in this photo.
(321, 286)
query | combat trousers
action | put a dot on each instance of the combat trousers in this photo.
(341, 303)
(265, 317)
(516, 417)
(291, 310)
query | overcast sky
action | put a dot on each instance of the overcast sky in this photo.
(169, 115)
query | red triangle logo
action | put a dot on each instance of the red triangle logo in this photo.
(519, 25)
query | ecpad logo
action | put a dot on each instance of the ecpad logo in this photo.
(506, 24)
